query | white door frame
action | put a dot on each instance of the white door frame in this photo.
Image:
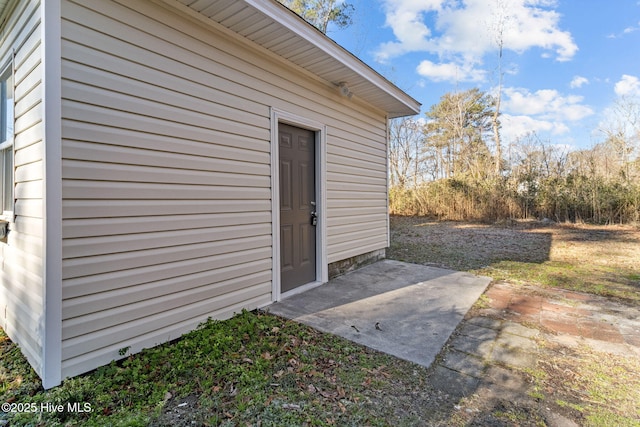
(322, 268)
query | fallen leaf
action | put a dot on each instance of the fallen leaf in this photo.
(311, 388)
(290, 406)
(267, 356)
(328, 395)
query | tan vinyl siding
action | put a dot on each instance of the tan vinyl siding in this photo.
(166, 174)
(21, 277)
(357, 203)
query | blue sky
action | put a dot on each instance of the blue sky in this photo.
(565, 62)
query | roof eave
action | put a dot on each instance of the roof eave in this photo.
(405, 104)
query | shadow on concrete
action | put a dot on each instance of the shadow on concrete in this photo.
(406, 310)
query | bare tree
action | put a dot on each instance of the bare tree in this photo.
(405, 160)
(498, 26)
(622, 133)
(320, 13)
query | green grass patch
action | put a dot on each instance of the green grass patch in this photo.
(608, 419)
(17, 378)
(604, 391)
(610, 282)
(251, 368)
(576, 407)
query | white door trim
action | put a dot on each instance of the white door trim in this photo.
(320, 129)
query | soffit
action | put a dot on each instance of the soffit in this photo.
(278, 29)
(5, 6)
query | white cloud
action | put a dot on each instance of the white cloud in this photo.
(538, 27)
(517, 126)
(624, 32)
(628, 86)
(547, 104)
(406, 19)
(543, 111)
(450, 72)
(578, 81)
(463, 29)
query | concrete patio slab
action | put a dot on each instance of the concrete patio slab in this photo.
(406, 310)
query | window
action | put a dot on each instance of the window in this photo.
(6, 140)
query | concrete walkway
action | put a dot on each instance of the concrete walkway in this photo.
(406, 310)
(516, 328)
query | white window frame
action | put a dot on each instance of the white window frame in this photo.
(6, 144)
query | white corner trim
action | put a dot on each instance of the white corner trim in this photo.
(322, 266)
(387, 145)
(52, 199)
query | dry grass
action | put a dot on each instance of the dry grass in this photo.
(602, 260)
(601, 391)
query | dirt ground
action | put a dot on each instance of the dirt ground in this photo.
(574, 289)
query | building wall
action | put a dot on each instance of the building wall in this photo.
(21, 275)
(166, 174)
